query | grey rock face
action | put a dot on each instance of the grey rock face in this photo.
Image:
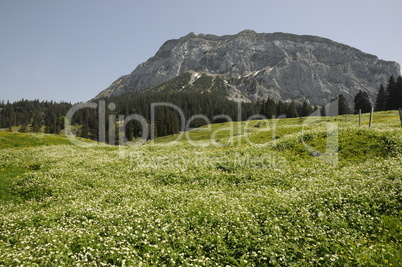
(260, 65)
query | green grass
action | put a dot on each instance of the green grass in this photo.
(269, 196)
(24, 140)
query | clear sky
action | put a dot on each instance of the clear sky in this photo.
(71, 50)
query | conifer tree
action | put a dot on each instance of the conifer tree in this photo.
(292, 110)
(343, 106)
(281, 108)
(323, 111)
(37, 122)
(362, 102)
(306, 110)
(398, 94)
(382, 99)
(392, 94)
(269, 108)
(129, 131)
(84, 130)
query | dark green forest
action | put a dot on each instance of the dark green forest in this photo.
(49, 117)
(33, 115)
(390, 97)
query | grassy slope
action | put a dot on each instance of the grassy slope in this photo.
(23, 141)
(230, 202)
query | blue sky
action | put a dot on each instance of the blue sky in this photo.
(71, 50)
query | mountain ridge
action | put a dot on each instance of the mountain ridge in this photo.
(256, 66)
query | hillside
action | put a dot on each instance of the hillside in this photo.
(261, 196)
(252, 66)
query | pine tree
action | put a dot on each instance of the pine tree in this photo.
(281, 108)
(343, 106)
(323, 112)
(392, 94)
(269, 108)
(306, 110)
(37, 122)
(292, 110)
(362, 102)
(57, 128)
(84, 130)
(382, 99)
(398, 90)
(129, 131)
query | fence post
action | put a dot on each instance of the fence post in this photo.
(371, 117)
(360, 117)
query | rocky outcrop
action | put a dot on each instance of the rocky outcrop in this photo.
(260, 65)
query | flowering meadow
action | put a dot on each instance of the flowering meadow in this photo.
(297, 194)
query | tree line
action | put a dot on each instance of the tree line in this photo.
(33, 115)
(390, 97)
(49, 117)
(201, 108)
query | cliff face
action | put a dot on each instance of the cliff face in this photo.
(259, 65)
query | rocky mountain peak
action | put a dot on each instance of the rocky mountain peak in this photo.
(260, 65)
(248, 34)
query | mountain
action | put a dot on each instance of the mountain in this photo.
(251, 66)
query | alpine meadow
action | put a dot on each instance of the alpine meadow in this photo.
(251, 149)
(281, 192)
